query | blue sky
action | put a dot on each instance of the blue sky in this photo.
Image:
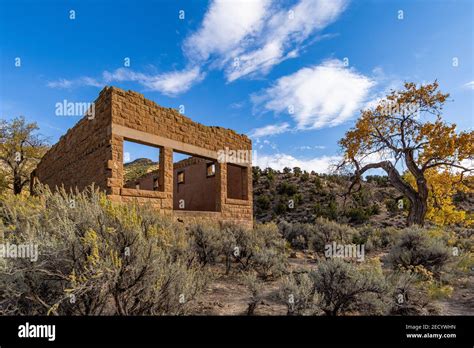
(293, 75)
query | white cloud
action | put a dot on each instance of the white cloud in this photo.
(61, 84)
(469, 85)
(318, 96)
(240, 37)
(170, 83)
(226, 25)
(308, 147)
(283, 34)
(323, 164)
(247, 38)
(272, 129)
(82, 81)
(175, 82)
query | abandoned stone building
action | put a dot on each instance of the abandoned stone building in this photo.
(201, 186)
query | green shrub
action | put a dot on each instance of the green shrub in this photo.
(336, 288)
(206, 241)
(288, 189)
(304, 176)
(299, 294)
(261, 249)
(415, 248)
(263, 202)
(96, 257)
(317, 235)
(255, 287)
(375, 238)
(280, 208)
(409, 295)
(326, 232)
(326, 210)
(344, 288)
(357, 215)
(297, 234)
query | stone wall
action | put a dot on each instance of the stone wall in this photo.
(92, 152)
(138, 119)
(80, 157)
(198, 192)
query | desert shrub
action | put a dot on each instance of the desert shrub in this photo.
(392, 206)
(357, 215)
(415, 248)
(305, 176)
(286, 188)
(280, 208)
(299, 294)
(318, 185)
(206, 241)
(270, 174)
(256, 173)
(377, 179)
(343, 288)
(326, 210)
(317, 235)
(255, 287)
(375, 238)
(261, 249)
(326, 232)
(95, 257)
(297, 234)
(263, 202)
(409, 295)
(337, 288)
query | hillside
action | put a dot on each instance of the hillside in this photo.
(137, 168)
(299, 196)
(302, 197)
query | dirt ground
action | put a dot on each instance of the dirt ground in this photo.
(462, 300)
(228, 295)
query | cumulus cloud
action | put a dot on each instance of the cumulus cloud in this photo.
(170, 83)
(226, 26)
(247, 38)
(244, 38)
(272, 129)
(323, 164)
(319, 96)
(283, 35)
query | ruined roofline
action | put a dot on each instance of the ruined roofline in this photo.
(190, 161)
(148, 102)
(105, 100)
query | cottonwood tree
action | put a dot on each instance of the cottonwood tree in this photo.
(405, 131)
(20, 150)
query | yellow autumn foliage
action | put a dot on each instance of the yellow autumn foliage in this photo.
(443, 185)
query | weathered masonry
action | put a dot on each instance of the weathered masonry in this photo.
(200, 187)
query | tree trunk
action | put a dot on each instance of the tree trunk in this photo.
(417, 212)
(17, 186)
